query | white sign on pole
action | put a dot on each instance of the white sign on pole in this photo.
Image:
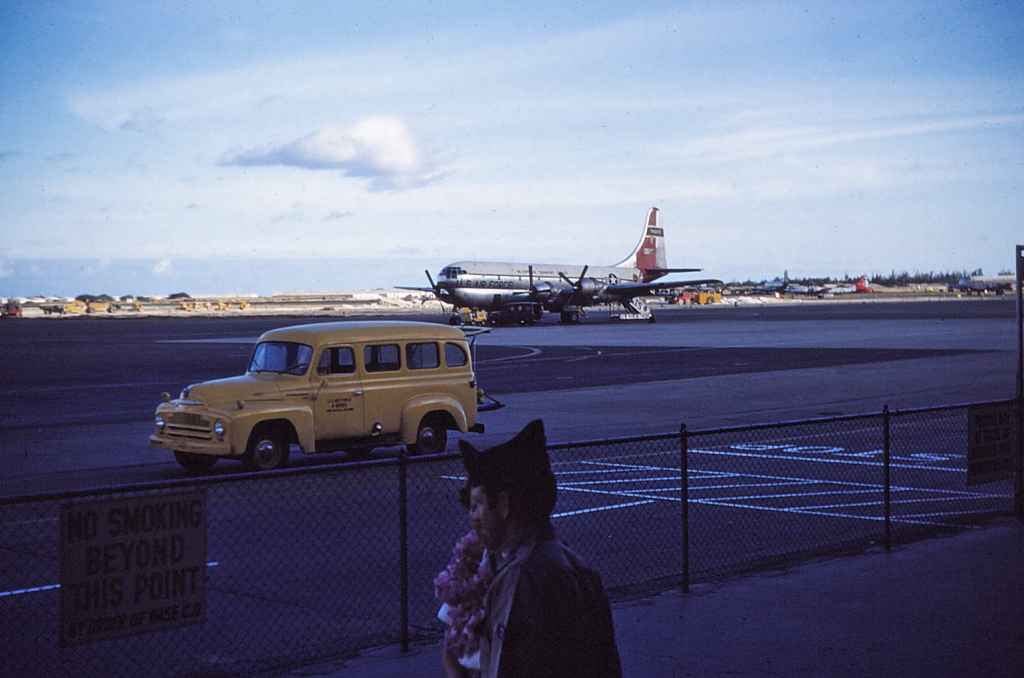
(132, 565)
(991, 443)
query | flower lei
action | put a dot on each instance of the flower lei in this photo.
(462, 585)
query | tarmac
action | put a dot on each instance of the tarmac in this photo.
(946, 606)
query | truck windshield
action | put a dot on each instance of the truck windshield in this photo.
(286, 357)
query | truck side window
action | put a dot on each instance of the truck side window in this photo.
(339, 360)
(382, 358)
(422, 356)
(454, 355)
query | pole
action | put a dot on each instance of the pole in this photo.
(887, 466)
(403, 541)
(684, 475)
(1020, 383)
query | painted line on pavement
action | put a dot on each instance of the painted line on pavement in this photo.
(531, 352)
(774, 457)
(906, 501)
(53, 587)
(611, 507)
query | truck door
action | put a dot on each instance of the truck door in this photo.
(340, 407)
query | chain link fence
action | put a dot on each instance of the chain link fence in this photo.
(308, 564)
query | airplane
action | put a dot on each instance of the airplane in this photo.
(783, 285)
(859, 286)
(521, 292)
(980, 284)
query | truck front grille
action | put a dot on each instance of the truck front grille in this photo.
(189, 425)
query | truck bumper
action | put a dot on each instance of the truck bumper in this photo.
(219, 448)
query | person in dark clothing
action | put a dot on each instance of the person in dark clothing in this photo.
(546, 611)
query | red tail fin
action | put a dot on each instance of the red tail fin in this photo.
(649, 253)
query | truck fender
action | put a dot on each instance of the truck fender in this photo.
(300, 418)
(419, 407)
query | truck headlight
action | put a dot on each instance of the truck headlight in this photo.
(160, 423)
(218, 429)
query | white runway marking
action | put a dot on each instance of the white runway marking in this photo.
(531, 352)
(633, 476)
(611, 507)
(773, 457)
(53, 587)
(725, 487)
(790, 495)
(34, 589)
(901, 501)
(618, 481)
(793, 510)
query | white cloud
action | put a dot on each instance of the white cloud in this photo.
(763, 142)
(338, 215)
(163, 267)
(378, 148)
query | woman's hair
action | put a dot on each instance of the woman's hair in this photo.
(530, 505)
(520, 467)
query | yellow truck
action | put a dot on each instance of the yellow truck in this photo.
(327, 387)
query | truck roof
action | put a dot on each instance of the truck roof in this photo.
(362, 330)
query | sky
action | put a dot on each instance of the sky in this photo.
(262, 147)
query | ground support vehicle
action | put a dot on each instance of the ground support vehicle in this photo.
(518, 313)
(11, 309)
(472, 317)
(327, 387)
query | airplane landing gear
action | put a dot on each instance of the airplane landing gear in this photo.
(571, 316)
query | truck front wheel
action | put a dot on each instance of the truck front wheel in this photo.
(267, 449)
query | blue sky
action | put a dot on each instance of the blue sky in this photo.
(155, 147)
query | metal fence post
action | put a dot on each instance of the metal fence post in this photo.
(684, 474)
(1020, 381)
(887, 465)
(1020, 457)
(403, 546)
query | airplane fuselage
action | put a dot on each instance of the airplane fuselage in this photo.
(521, 292)
(492, 285)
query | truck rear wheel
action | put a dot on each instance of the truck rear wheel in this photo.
(431, 437)
(195, 463)
(267, 449)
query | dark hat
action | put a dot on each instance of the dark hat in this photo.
(519, 465)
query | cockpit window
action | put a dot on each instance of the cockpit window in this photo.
(452, 272)
(285, 357)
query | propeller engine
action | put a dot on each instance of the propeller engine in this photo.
(439, 291)
(583, 286)
(541, 290)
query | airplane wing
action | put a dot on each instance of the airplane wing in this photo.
(658, 272)
(415, 289)
(640, 289)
